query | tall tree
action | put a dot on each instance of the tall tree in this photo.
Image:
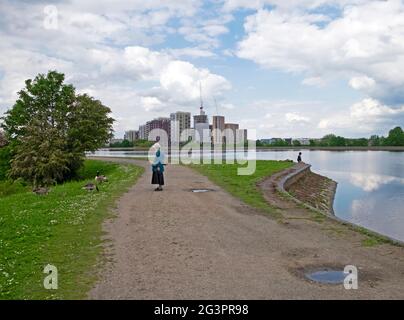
(395, 137)
(50, 128)
(89, 128)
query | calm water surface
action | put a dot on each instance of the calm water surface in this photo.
(370, 188)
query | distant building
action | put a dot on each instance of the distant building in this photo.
(201, 117)
(303, 141)
(180, 121)
(131, 135)
(202, 127)
(288, 141)
(163, 126)
(218, 127)
(114, 140)
(271, 140)
(144, 131)
(265, 141)
(234, 128)
(245, 135)
(218, 122)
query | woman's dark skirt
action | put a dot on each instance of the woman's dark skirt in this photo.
(158, 178)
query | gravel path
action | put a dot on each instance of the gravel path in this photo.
(177, 244)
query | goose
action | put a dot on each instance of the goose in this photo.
(100, 178)
(91, 187)
(41, 191)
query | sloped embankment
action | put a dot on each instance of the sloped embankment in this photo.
(315, 190)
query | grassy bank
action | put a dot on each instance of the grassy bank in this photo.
(63, 228)
(244, 187)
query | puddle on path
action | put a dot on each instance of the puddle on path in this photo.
(327, 276)
(200, 190)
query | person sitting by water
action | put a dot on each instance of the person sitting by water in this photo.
(158, 170)
(299, 158)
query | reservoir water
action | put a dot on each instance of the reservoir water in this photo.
(370, 190)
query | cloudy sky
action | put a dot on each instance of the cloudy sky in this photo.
(285, 68)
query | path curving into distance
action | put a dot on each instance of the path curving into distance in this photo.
(177, 244)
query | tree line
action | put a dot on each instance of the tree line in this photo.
(129, 144)
(395, 138)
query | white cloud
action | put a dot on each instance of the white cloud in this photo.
(363, 45)
(283, 118)
(181, 79)
(227, 106)
(205, 32)
(109, 49)
(142, 61)
(193, 52)
(314, 81)
(369, 108)
(176, 82)
(295, 118)
(290, 5)
(361, 83)
(102, 47)
(367, 116)
(151, 103)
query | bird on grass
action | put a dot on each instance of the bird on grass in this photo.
(91, 187)
(100, 178)
(41, 191)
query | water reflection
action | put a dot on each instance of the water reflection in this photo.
(372, 182)
(370, 200)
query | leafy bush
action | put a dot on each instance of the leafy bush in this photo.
(5, 158)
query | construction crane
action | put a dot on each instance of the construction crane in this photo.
(217, 110)
(200, 94)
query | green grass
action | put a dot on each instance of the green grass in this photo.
(63, 228)
(372, 239)
(8, 187)
(244, 187)
(371, 242)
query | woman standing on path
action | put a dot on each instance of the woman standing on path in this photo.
(158, 169)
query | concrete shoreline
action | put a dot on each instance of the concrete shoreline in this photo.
(298, 172)
(315, 190)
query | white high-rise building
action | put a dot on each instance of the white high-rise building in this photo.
(180, 121)
(144, 131)
(131, 135)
